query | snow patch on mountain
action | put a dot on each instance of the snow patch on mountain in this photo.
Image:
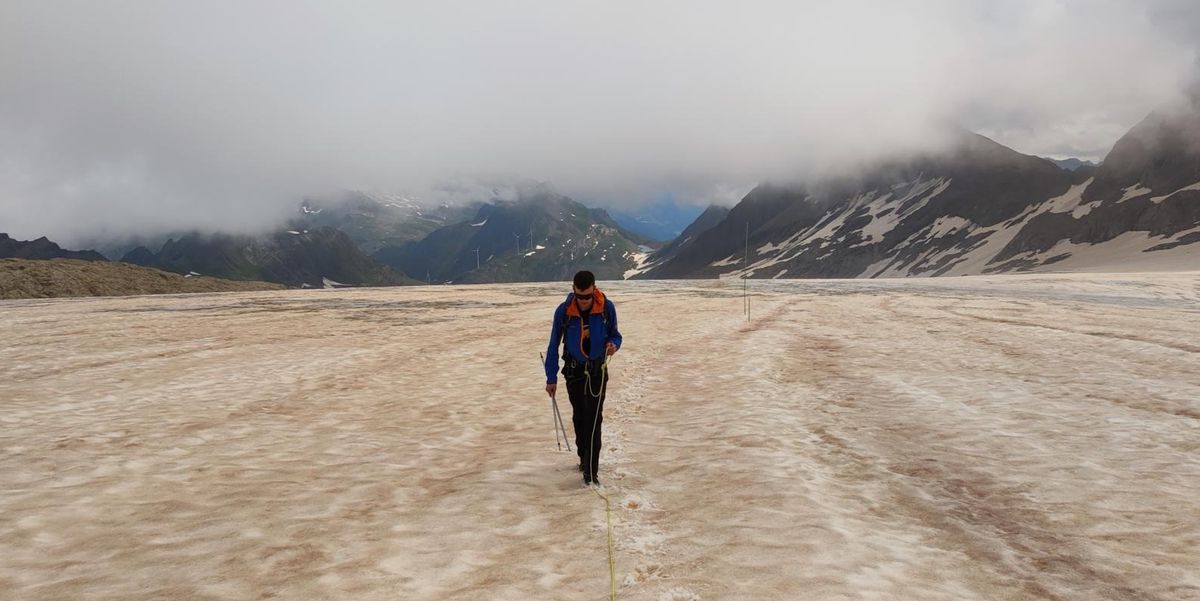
(730, 260)
(1133, 191)
(1128, 252)
(948, 225)
(1159, 199)
(887, 213)
(886, 209)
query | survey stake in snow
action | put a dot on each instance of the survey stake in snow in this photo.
(585, 324)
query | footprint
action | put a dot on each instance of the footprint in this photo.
(635, 502)
(643, 573)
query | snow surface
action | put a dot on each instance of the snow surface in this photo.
(733, 259)
(879, 226)
(1159, 199)
(1126, 252)
(640, 263)
(1133, 191)
(832, 225)
(945, 226)
(1010, 437)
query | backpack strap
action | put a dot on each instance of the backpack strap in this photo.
(566, 319)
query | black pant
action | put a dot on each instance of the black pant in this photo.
(587, 414)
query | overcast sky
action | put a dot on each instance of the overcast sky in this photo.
(119, 116)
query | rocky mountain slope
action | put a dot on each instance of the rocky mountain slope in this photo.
(374, 221)
(42, 248)
(976, 207)
(321, 257)
(23, 278)
(538, 237)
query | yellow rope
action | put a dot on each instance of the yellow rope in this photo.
(612, 566)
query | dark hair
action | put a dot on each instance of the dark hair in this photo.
(584, 280)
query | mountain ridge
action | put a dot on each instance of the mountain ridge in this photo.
(977, 207)
(539, 236)
(299, 258)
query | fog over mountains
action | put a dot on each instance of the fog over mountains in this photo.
(151, 118)
(977, 207)
(836, 133)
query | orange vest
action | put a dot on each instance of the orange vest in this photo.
(573, 311)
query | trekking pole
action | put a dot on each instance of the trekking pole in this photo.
(558, 421)
(554, 416)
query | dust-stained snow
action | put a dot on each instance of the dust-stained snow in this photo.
(733, 259)
(885, 209)
(1133, 191)
(1010, 437)
(944, 226)
(641, 262)
(1129, 251)
(1159, 199)
(895, 207)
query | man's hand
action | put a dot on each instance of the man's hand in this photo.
(611, 349)
(551, 388)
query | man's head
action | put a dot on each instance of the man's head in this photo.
(585, 287)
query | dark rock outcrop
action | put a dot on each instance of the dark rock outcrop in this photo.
(42, 248)
(295, 258)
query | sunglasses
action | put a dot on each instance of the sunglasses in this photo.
(579, 296)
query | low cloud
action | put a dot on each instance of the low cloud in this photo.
(144, 116)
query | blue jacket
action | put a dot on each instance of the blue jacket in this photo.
(567, 315)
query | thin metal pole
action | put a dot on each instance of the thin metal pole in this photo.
(554, 416)
(746, 274)
(561, 425)
(558, 420)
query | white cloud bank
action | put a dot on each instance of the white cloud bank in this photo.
(155, 115)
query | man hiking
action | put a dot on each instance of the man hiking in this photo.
(586, 325)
